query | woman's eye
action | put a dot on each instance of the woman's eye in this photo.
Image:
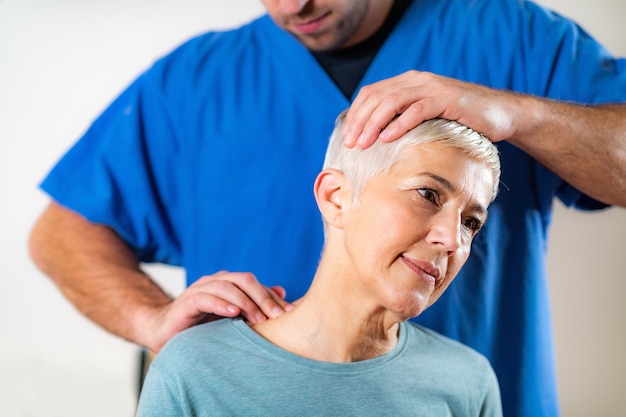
(430, 195)
(473, 224)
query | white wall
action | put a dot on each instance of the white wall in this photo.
(62, 61)
(585, 265)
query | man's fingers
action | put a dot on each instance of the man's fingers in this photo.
(375, 113)
(264, 298)
(413, 97)
(277, 304)
(279, 291)
(364, 106)
(242, 289)
(411, 117)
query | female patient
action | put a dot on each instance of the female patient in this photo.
(399, 220)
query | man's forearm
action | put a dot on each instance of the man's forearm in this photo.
(584, 145)
(97, 272)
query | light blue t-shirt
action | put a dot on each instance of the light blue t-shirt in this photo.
(224, 368)
(209, 158)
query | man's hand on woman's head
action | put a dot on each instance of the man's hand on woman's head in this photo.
(415, 96)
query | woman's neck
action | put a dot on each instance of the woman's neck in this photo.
(326, 326)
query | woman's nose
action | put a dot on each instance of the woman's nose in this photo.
(446, 231)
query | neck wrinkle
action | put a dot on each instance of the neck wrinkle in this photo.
(330, 326)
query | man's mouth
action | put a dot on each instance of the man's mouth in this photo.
(310, 25)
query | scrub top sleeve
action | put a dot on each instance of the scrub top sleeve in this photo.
(120, 173)
(565, 63)
(576, 68)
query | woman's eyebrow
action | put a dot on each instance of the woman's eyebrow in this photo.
(450, 187)
(446, 184)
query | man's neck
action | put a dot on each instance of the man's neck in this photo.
(347, 66)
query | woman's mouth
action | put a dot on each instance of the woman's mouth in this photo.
(426, 270)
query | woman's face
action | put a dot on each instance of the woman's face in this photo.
(410, 231)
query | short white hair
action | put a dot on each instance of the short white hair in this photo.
(359, 165)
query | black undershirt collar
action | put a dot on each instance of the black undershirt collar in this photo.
(346, 67)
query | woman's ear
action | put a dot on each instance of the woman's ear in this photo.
(331, 193)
